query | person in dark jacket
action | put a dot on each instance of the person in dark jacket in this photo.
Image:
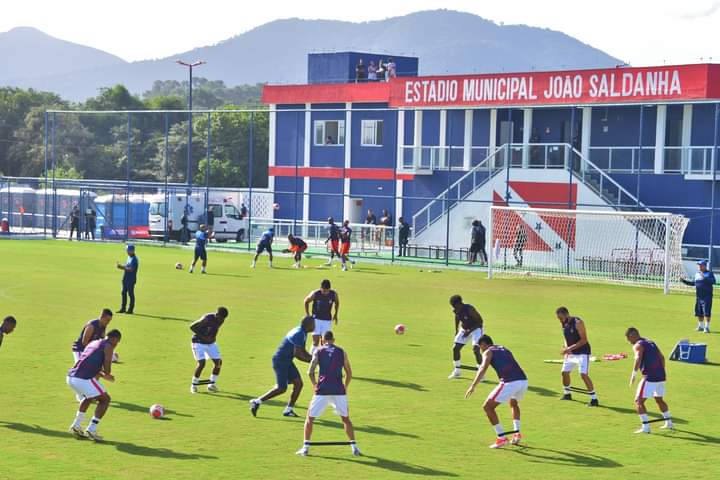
(703, 282)
(74, 222)
(477, 243)
(403, 236)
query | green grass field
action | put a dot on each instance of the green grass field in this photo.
(411, 421)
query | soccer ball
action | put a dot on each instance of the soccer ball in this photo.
(178, 266)
(276, 206)
(116, 357)
(399, 329)
(157, 411)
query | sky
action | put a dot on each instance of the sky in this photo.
(641, 32)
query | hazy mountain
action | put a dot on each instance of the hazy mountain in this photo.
(276, 52)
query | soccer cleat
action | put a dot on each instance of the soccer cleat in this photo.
(594, 403)
(356, 452)
(303, 452)
(699, 328)
(129, 312)
(500, 442)
(213, 388)
(290, 413)
(707, 330)
(193, 388)
(344, 268)
(93, 435)
(516, 438)
(77, 431)
(190, 270)
(203, 272)
(667, 426)
(254, 407)
(566, 396)
(252, 265)
(642, 430)
(455, 374)
(122, 310)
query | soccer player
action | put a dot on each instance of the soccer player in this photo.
(472, 329)
(345, 235)
(651, 363)
(577, 353)
(205, 333)
(297, 246)
(292, 346)
(703, 282)
(323, 301)
(334, 239)
(512, 387)
(129, 269)
(8, 325)
(94, 363)
(201, 241)
(91, 331)
(265, 243)
(330, 389)
(521, 238)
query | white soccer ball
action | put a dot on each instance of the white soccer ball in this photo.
(178, 266)
(116, 357)
(157, 411)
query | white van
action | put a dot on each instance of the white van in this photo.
(227, 223)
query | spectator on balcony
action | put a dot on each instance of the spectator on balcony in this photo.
(386, 218)
(390, 71)
(384, 231)
(535, 148)
(371, 219)
(381, 70)
(329, 140)
(403, 236)
(372, 72)
(477, 243)
(360, 72)
(521, 238)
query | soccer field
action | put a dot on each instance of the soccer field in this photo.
(410, 420)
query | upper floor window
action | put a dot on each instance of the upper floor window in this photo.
(372, 133)
(329, 132)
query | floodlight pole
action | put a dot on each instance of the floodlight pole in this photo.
(197, 63)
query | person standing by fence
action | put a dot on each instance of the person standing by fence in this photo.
(403, 237)
(74, 222)
(477, 243)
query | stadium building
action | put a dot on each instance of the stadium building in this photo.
(619, 138)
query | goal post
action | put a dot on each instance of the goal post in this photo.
(636, 248)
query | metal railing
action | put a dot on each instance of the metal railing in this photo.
(689, 160)
(432, 158)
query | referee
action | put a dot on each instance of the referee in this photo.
(703, 281)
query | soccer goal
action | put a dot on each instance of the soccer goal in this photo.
(638, 248)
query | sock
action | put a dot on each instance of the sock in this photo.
(195, 380)
(79, 417)
(707, 324)
(566, 390)
(700, 324)
(353, 445)
(258, 401)
(456, 363)
(192, 267)
(288, 408)
(593, 395)
(93, 424)
(478, 366)
(498, 429)
(213, 378)
(644, 418)
(516, 425)
(202, 269)
(667, 417)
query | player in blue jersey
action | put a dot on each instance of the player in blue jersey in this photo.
(205, 333)
(291, 347)
(84, 378)
(333, 240)
(576, 353)
(8, 325)
(265, 244)
(703, 283)
(325, 307)
(91, 331)
(472, 329)
(651, 363)
(130, 269)
(201, 240)
(330, 389)
(512, 387)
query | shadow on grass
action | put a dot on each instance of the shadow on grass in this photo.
(392, 383)
(632, 411)
(226, 275)
(372, 272)
(543, 392)
(692, 436)
(131, 407)
(391, 465)
(372, 429)
(163, 317)
(247, 398)
(564, 458)
(126, 447)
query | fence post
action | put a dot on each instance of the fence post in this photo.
(713, 163)
(666, 279)
(127, 179)
(166, 234)
(251, 160)
(207, 173)
(54, 167)
(45, 167)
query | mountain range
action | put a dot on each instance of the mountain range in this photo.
(276, 52)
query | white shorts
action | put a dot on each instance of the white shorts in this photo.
(474, 336)
(511, 390)
(650, 389)
(322, 326)
(89, 388)
(201, 351)
(76, 356)
(582, 361)
(319, 403)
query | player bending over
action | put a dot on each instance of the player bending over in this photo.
(329, 389)
(333, 240)
(472, 330)
(296, 246)
(345, 237)
(651, 363)
(292, 346)
(201, 241)
(265, 243)
(84, 378)
(323, 301)
(91, 331)
(8, 325)
(512, 387)
(205, 333)
(577, 353)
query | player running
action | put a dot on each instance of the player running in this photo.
(91, 331)
(297, 246)
(703, 282)
(472, 329)
(333, 239)
(205, 333)
(201, 241)
(577, 353)
(512, 387)
(329, 389)
(292, 346)
(94, 363)
(345, 236)
(323, 301)
(8, 325)
(651, 363)
(265, 243)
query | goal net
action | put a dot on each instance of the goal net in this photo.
(640, 248)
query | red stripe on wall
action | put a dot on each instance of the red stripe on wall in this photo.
(376, 92)
(335, 172)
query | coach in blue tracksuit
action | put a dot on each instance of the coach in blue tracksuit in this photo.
(703, 282)
(129, 269)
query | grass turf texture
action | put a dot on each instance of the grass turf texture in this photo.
(411, 421)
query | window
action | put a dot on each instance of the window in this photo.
(232, 212)
(329, 132)
(216, 211)
(157, 208)
(372, 133)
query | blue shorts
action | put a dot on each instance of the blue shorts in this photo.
(703, 307)
(200, 253)
(263, 247)
(285, 372)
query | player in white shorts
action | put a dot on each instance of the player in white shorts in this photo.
(325, 306)
(577, 354)
(205, 333)
(467, 317)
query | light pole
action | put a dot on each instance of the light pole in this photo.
(190, 66)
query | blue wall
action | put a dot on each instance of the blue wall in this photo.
(376, 194)
(374, 156)
(290, 135)
(623, 126)
(324, 206)
(431, 127)
(326, 155)
(702, 124)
